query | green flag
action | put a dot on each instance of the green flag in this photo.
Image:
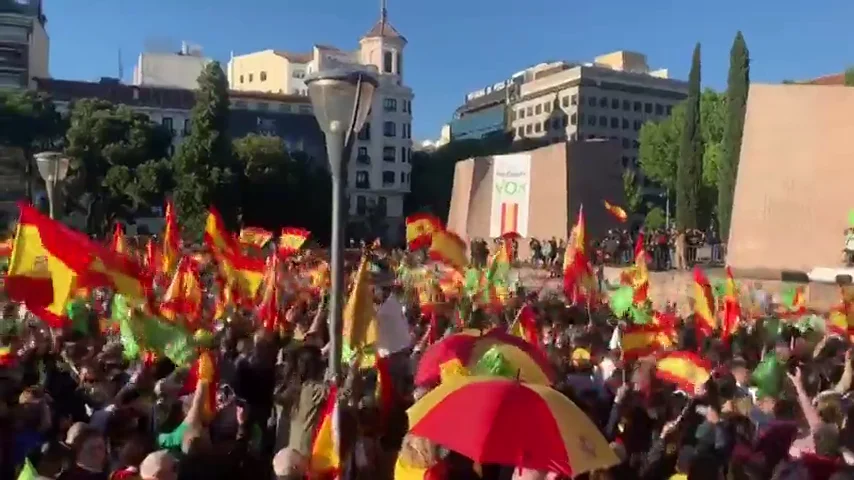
(768, 376)
(851, 218)
(140, 332)
(28, 472)
(493, 363)
(78, 314)
(621, 300)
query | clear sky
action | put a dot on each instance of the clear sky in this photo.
(458, 46)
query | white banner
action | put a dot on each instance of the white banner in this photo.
(511, 183)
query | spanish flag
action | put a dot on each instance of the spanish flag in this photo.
(638, 341)
(684, 369)
(150, 259)
(640, 280)
(420, 228)
(216, 236)
(268, 308)
(117, 243)
(449, 248)
(171, 241)
(183, 298)
(525, 326)
(616, 211)
(840, 321)
(731, 306)
(204, 369)
(360, 323)
(291, 240)
(576, 241)
(241, 272)
(324, 461)
(254, 237)
(7, 357)
(704, 317)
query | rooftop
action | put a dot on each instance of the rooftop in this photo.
(832, 79)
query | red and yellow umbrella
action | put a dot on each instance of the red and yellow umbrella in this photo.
(507, 422)
(468, 347)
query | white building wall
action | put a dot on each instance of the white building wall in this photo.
(169, 70)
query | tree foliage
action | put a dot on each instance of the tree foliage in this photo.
(206, 170)
(849, 76)
(119, 167)
(632, 191)
(655, 219)
(689, 169)
(738, 84)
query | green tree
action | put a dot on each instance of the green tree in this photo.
(849, 75)
(29, 123)
(689, 170)
(634, 196)
(659, 148)
(119, 165)
(738, 85)
(655, 219)
(206, 170)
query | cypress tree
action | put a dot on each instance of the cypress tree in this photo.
(689, 170)
(206, 172)
(738, 84)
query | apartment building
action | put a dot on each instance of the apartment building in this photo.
(24, 44)
(170, 69)
(609, 98)
(379, 169)
(289, 117)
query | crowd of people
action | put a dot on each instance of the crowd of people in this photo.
(777, 403)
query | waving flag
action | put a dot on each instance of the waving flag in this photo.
(216, 236)
(184, 295)
(324, 460)
(117, 243)
(684, 369)
(579, 282)
(449, 248)
(640, 282)
(732, 308)
(525, 326)
(291, 240)
(254, 237)
(420, 228)
(641, 340)
(616, 211)
(244, 274)
(704, 316)
(205, 370)
(268, 308)
(171, 241)
(360, 324)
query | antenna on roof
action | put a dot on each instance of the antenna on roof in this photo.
(383, 11)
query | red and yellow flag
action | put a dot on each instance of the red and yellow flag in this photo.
(183, 298)
(204, 370)
(171, 241)
(268, 308)
(241, 272)
(291, 240)
(6, 248)
(684, 369)
(731, 307)
(216, 236)
(449, 248)
(576, 242)
(420, 228)
(640, 280)
(704, 317)
(616, 211)
(360, 323)
(7, 357)
(151, 257)
(525, 326)
(325, 461)
(641, 340)
(254, 237)
(117, 243)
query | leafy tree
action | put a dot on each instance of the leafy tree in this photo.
(659, 148)
(634, 195)
(206, 170)
(849, 73)
(689, 170)
(655, 219)
(119, 164)
(738, 85)
(29, 123)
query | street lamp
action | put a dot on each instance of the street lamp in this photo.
(341, 99)
(53, 167)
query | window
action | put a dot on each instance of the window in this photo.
(389, 129)
(547, 107)
(521, 113)
(573, 100)
(382, 206)
(529, 129)
(399, 63)
(538, 127)
(402, 177)
(615, 103)
(390, 104)
(573, 119)
(167, 124)
(603, 121)
(520, 132)
(625, 123)
(250, 78)
(647, 107)
(659, 110)
(389, 154)
(363, 179)
(388, 178)
(637, 106)
(241, 79)
(361, 205)
(627, 105)
(263, 76)
(603, 102)
(626, 143)
(362, 156)
(565, 101)
(264, 106)
(388, 60)
(591, 101)
(591, 120)
(403, 154)
(298, 74)
(625, 162)
(538, 109)
(365, 132)
(636, 125)
(615, 122)
(186, 126)
(529, 111)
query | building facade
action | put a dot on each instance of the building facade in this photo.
(24, 44)
(178, 70)
(288, 116)
(379, 168)
(609, 98)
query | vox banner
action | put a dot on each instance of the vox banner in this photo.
(511, 183)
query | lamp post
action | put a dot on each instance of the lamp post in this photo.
(53, 167)
(341, 99)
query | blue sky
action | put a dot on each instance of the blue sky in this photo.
(457, 46)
